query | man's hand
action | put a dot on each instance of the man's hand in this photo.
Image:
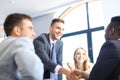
(75, 75)
(79, 74)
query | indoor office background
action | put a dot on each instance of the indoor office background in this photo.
(85, 24)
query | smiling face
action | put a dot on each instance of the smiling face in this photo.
(56, 30)
(80, 55)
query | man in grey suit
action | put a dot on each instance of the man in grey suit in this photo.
(18, 60)
(43, 49)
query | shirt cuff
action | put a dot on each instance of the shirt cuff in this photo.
(57, 69)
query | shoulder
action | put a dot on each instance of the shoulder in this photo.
(112, 43)
(23, 42)
(110, 46)
(24, 39)
(110, 50)
(42, 37)
(59, 42)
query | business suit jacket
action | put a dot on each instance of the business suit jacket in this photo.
(18, 55)
(43, 49)
(107, 66)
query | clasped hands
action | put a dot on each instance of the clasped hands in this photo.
(75, 75)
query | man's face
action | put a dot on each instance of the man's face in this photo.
(27, 29)
(56, 30)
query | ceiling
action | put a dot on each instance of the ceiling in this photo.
(33, 8)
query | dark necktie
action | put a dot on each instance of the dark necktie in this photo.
(53, 58)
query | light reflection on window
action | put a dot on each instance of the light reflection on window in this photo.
(95, 14)
(97, 42)
(76, 17)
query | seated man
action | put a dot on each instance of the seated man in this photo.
(17, 54)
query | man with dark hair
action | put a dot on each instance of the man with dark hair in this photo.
(107, 66)
(43, 46)
(18, 60)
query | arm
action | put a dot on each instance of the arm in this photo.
(80, 74)
(68, 74)
(42, 49)
(70, 66)
(28, 63)
(85, 75)
(62, 70)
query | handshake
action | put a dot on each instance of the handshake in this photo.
(77, 74)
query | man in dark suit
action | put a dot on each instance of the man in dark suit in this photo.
(43, 49)
(107, 66)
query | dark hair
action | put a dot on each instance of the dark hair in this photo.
(115, 23)
(57, 20)
(13, 20)
(115, 19)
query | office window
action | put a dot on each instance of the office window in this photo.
(84, 24)
(97, 40)
(95, 14)
(75, 17)
(71, 43)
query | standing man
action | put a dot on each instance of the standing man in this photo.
(43, 47)
(18, 60)
(107, 66)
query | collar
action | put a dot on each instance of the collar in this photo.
(51, 41)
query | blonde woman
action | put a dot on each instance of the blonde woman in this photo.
(81, 63)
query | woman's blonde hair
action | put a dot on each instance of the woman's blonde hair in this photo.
(86, 63)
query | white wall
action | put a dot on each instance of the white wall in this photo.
(42, 23)
(110, 8)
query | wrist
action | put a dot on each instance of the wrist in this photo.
(84, 75)
(64, 71)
